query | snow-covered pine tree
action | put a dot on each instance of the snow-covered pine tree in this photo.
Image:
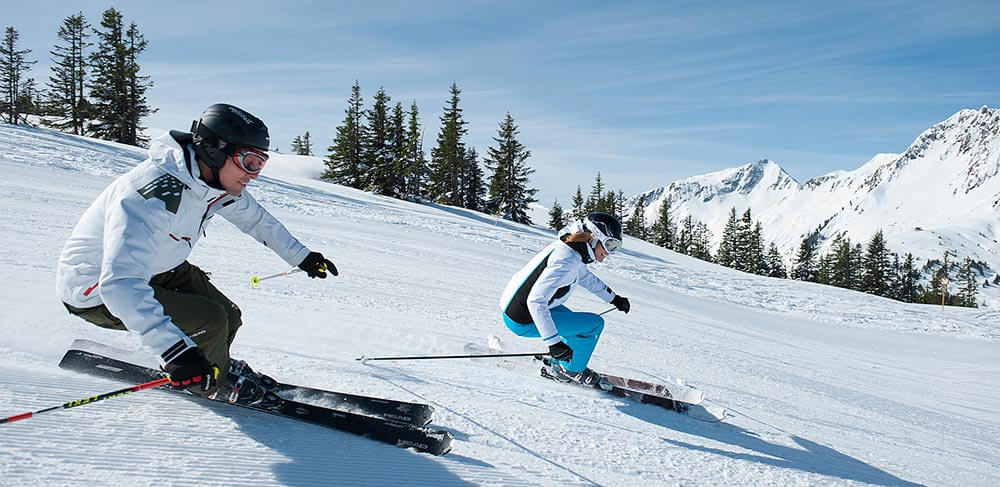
(345, 162)
(66, 101)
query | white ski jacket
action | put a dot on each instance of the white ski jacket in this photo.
(146, 223)
(547, 281)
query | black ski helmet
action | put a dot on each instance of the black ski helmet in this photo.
(221, 129)
(603, 226)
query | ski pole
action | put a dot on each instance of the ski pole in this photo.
(88, 400)
(364, 359)
(255, 281)
(602, 313)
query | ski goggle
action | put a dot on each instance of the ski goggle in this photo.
(251, 161)
(611, 244)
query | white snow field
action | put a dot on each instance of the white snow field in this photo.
(825, 386)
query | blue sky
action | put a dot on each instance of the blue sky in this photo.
(644, 92)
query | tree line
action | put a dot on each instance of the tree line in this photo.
(875, 269)
(380, 149)
(94, 89)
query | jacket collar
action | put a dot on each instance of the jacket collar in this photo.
(167, 153)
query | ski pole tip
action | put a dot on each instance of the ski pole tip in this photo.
(254, 281)
(362, 359)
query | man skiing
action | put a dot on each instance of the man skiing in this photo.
(125, 265)
(532, 303)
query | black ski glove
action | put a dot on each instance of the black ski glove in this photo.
(316, 265)
(621, 303)
(192, 370)
(561, 351)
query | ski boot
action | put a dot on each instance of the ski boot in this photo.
(586, 377)
(243, 385)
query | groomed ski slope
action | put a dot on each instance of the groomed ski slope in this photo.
(826, 386)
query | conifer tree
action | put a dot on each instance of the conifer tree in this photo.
(302, 145)
(876, 267)
(66, 101)
(377, 154)
(909, 290)
(345, 163)
(775, 264)
(556, 218)
(939, 290)
(596, 200)
(579, 206)
(686, 236)
(118, 92)
(664, 231)
(13, 66)
(509, 180)
(473, 187)
(415, 172)
(700, 244)
(449, 158)
(398, 148)
(843, 272)
(805, 266)
(618, 205)
(756, 262)
(968, 287)
(636, 224)
(730, 244)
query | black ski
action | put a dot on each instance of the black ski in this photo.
(407, 412)
(402, 434)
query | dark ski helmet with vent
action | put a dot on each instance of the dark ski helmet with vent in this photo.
(605, 228)
(222, 129)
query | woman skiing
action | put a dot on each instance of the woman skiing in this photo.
(532, 303)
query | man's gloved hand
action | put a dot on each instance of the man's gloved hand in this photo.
(316, 265)
(621, 303)
(560, 351)
(191, 369)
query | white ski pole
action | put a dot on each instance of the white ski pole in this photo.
(255, 281)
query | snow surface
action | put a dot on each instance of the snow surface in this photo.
(826, 386)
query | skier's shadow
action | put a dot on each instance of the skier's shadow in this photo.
(313, 455)
(810, 457)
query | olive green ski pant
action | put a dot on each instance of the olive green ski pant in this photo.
(195, 306)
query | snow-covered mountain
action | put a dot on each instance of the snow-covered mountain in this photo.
(942, 193)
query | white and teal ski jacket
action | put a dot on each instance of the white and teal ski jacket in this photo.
(146, 223)
(547, 281)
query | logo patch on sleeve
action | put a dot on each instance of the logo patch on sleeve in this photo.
(165, 188)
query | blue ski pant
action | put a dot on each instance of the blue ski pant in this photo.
(579, 330)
